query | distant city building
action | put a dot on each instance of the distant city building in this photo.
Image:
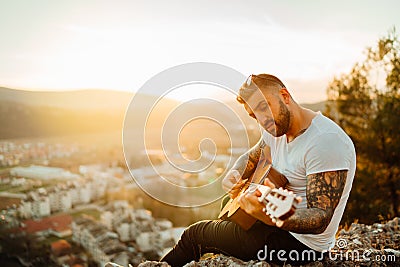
(43, 172)
(14, 153)
(41, 206)
(102, 244)
(61, 197)
(138, 225)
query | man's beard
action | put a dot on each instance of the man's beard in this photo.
(282, 122)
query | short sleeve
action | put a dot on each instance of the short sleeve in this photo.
(328, 152)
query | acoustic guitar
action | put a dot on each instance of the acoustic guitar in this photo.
(279, 203)
(232, 211)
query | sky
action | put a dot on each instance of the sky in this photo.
(119, 45)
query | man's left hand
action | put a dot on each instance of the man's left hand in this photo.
(250, 204)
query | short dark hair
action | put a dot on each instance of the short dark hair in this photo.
(262, 81)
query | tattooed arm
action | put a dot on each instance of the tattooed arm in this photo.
(247, 162)
(324, 191)
(244, 168)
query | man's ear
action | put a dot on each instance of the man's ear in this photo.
(285, 95)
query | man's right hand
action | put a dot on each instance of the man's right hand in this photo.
(232, 183)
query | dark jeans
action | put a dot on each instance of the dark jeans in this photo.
(261, 242)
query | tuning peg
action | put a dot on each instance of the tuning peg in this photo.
(279, 223)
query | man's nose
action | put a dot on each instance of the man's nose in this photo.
(264, 117)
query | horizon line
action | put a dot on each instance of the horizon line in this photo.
(36, 90)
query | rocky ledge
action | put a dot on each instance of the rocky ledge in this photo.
(359, 245)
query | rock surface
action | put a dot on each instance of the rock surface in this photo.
(359, 245)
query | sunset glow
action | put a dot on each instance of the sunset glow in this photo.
(98, 44)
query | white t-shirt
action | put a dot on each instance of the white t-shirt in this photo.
(323, 147)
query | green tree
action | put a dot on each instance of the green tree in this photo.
(366, 103)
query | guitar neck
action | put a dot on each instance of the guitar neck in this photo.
(277, 178)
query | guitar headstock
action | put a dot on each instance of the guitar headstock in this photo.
(280, 203)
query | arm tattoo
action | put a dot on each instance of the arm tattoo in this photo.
(324, 191)
(247, 163)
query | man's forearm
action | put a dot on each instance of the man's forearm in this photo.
(245, 166)
(247, 163)
(323, 194)
(308, 221)
(324, 191)
(303, 221)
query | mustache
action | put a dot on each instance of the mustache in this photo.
(269, 122)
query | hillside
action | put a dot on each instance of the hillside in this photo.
(318, 106)
(78, 99)
(28, 114)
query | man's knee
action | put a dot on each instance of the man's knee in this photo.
(193, 231)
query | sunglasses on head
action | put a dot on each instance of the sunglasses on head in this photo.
(251, 78)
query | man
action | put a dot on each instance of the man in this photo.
(315, 155)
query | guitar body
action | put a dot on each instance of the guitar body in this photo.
(233, 212)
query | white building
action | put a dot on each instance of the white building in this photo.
(60, 199)
(102, 244)
(139, 225)
(65, 202)
(74, 191)
(43, 202)
(158, 240)
(80, 192)
(25, 209)
(43, 172)
(85, 193)
(41, 206)
(18, 182)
